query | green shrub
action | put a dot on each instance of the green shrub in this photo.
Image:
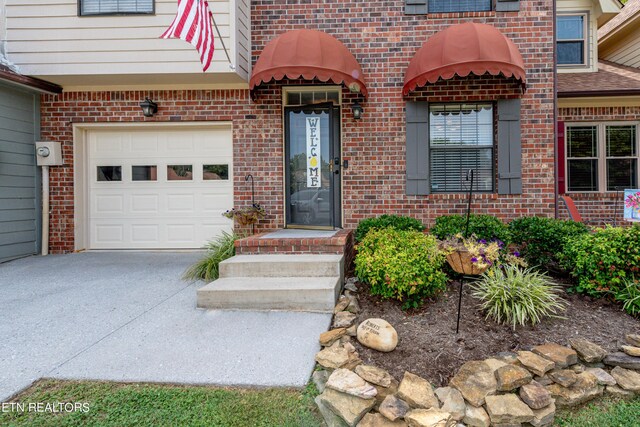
(404, 265)
(486, 227)
(542, 240)
(603, 260)
(398, 222)
(515, 296)
(218, 250)
(629, 295)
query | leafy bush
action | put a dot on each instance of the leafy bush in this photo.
(629, 295)
(398, 222)
(603, 260)
(542, 240)
(486, 227)
(515, 296)
(404, 265)
(218, 250)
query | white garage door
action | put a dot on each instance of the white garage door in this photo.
(157, 189)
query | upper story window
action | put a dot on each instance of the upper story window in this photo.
(115, 7)
(445, 6)
(572, 39)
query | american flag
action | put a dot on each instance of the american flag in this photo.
(193, 24)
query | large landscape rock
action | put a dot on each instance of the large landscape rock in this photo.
(508, 409)
(393, 408)
(537, 364)
(584, 389)
(535, 395)
(623, 360)
(626, 379)
(631, 350)
(374, 375)
(558, 354)
(510, 377)
(495, 364)
(329, 337)
(476, 417)
(377, 420)
(377, 334)
(417, 392)
(633, 339)
(544, 417)
(350, 408)
(588, 351)
(429, 418)
(603, 377)
(475, 380)
(348, 382)
(343, 319)
(383, 392)
(330, 418)
(564, 377)
(452, 402)
(341, 305)
(333, 357)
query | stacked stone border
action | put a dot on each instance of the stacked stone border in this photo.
(508, 389)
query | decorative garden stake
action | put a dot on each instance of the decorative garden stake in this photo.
(253, 202)
(461, 259)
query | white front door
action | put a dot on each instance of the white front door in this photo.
(158, 188)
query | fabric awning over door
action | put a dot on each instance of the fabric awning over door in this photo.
(308, 54)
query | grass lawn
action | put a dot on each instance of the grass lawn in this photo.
(117, 404)
(604, 412)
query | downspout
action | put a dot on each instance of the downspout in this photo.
(45, 210)
(555, 115)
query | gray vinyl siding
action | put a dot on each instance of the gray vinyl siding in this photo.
(19, 176)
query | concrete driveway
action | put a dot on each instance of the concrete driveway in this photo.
(127, 316)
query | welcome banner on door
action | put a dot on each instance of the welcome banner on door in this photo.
(313, 152)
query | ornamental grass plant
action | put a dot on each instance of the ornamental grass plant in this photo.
(511, 295)
(208, 268)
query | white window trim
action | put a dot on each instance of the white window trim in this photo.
(602, 153)
(587, 39)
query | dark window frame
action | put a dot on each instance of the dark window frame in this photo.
(491, 7)
(492, 147)
(152, 12)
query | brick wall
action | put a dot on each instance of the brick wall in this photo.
(383, 40)
(605, 207)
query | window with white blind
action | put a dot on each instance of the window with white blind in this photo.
(445, 6)
(461, 137)
(602, 156)
(115, 7)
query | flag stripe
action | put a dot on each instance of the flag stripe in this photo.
(193, 25)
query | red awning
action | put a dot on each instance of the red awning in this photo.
(308, 54)
(463, 49)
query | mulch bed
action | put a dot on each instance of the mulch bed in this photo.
(428, 345)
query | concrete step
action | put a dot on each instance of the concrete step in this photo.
(270, 293)
(283, 265)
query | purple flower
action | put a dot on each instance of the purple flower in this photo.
(500, 243)
(516, 253)
(483, 241)
(474, 259)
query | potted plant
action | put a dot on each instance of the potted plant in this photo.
(247, 215)
(470, 256)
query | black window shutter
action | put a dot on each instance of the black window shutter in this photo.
(417, 155)
(509, 147)
(415, 7)
(507, 5)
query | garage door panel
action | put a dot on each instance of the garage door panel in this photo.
(154, 212)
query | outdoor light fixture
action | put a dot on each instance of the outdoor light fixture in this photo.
(357, 110)
(149, 108)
